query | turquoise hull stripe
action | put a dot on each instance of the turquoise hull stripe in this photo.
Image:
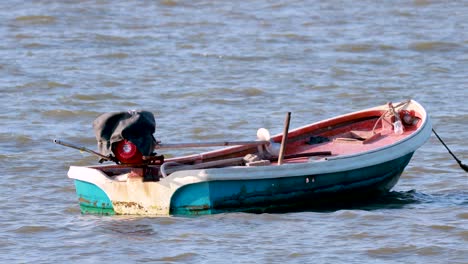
(92, 199)
(301, 191)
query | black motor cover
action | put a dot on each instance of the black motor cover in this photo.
(137, 127)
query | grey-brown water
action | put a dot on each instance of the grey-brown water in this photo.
(212, 70)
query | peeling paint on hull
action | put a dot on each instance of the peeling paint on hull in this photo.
(134, 208)
(92, 199)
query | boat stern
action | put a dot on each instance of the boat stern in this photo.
(91, 197)
(120, 194)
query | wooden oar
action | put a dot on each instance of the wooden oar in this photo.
(463, 166)
(211, 144)
(284, 139)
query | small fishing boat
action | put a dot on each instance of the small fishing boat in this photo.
(360, 154)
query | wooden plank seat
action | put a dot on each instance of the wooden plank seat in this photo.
(357, 137)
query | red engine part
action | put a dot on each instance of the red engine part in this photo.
(127, 153)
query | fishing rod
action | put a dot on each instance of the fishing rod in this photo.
(463, 166)
(71, 145)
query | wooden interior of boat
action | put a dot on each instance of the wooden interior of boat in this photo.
(346, 135)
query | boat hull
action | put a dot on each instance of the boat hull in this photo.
(288, 193)
(309, 191)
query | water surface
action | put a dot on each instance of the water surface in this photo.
(219, 71)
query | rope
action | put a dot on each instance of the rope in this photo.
(386, 112)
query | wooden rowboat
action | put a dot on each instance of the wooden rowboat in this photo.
(353, 155)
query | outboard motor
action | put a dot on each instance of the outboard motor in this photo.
(126, 137)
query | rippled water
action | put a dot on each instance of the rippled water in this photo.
(219, 70)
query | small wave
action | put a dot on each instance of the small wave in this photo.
(387, 47)
(86, 141)
(292, 36)
(201, 133)
(245, 58)
(429, 251)
(358, 48)
(43, 84)
(13, 144)
(442, 227)
(36, 20)
(34, 45)
(440, 69)
(66, 114)
(169, 3)
(434, 46)
(337, 72)
(23, 36)
(74, 210)
(463, 216)
(57, 85)
(85, 159)
(119, 55)
(365, 61)
(346, 214)
(181, 257)
(295, 255)
(114, 40)
(19, 139)
(237, 125)
(111, 84)
(422, 2)
(252, 91)
(186, 46)
(464, 235)
(231, 57)
(31, 229)
(219, 95)
(95, 97)
(130, 225)
(221, 90)
(181, 95)
(221, 101)
(391, 251)
(167, 221)
(323, 87)
(364, 235)
(197, 24)
(405, 14)
(400, 251)
(60, 113)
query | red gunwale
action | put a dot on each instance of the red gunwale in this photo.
(338, 127)
(330, 128)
